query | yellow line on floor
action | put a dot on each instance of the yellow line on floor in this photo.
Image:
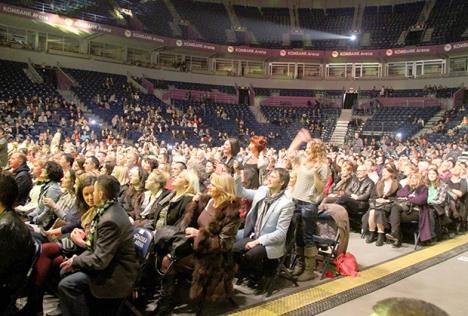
(306, 297)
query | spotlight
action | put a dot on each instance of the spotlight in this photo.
(93, 122)
(398, 135)
(352, 37)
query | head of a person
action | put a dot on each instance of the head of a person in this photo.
(106, 188)
(231, 147)
(292, 178)
(163, 157)
(433, 177)
(101, 156)
(187, 181)
(149, 164)
(316, 151)
(91, 164)
(346, 169)
(66, 161)
(68, 181)
(177, 167)
(361, 172)
(52, 171)
(121, 174)
(78, 164)
(257, 145)
(131, 159)
(456, 171)
(107, 168)
(38, 165)
(248, 176)
(400, 306)
(137, 176)
(278, 179)
(370, 164)
(9, 191)
(222, 187)
(210, 167)
(389, 172)
(84, 192)
(17, 160)
(415, 179)
(156, 180)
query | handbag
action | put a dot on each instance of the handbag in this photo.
(171, 240)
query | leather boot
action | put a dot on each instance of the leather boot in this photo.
(371, 237)
(299, 264)
(34, 303)
(380, 239)
(310, 254)
(166, 296)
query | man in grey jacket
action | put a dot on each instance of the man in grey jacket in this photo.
(109, 266)
(267, 223)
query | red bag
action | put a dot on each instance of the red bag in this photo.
(346, 264)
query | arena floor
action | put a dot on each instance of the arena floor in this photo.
(384, 272)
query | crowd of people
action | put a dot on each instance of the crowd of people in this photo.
(81, 201)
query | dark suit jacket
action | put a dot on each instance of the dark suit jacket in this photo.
(113, 265)
(24, 180)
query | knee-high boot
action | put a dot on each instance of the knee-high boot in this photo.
(166, 301)
(310, 254)
(299, 264)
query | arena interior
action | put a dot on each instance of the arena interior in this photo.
(233, 157)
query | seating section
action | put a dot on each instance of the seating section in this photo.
(335, 21)
(401, 119)
(384, 23)
(320, 121)
(448, 18)
(210, 19)
(448, 130)
(30, 100)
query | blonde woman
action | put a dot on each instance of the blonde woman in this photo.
(211, 221)
(171, 209)
(312, 174)
(121, 173)
(410, 206)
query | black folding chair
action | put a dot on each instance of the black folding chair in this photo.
(281, 269)
(143, 240)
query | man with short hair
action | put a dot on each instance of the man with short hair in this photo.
(267, 223)
(91, 165)
(358, 192)
(109, 266)
(176, 168)
(66, 161)
(22, 175)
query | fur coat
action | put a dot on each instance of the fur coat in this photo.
(214, 266)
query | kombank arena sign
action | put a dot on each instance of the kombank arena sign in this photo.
(77, 26)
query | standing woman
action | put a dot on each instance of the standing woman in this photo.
(255, 159)
(231, 148)
(312, 174)
(211, 221)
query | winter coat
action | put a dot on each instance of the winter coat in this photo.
(214, 265)
(24, 180)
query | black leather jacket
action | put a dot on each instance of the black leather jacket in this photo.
(17, 249)
(363, 189)
(24, 180)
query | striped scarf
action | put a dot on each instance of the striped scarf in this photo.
(92, 235)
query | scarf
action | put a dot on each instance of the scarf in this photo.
(264, 205)
(99, 211)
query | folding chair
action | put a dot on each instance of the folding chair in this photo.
(143, 241)
(282, 267)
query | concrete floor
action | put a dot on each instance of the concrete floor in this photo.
(443, 285)
(367, 255)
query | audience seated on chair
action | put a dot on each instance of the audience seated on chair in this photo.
(266, 226)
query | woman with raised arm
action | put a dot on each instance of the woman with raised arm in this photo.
(312, 174)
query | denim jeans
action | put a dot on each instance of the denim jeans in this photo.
(305, 215)
(72, 291)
